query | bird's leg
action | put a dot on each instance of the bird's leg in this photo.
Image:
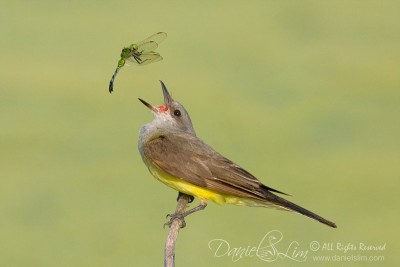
(202, 206)
(191, 198)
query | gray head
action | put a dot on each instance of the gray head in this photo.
(172, 113)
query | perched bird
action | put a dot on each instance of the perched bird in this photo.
(177, 157)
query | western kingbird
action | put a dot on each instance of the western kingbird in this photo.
(177, 157)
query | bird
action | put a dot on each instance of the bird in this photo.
(175, 156)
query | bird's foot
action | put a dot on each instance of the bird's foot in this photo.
(173, 217)
(181, 217)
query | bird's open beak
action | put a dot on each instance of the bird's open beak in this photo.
(167, 101)
(148, 105)
(167, 97)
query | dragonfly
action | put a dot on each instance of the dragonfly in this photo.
(140, 54)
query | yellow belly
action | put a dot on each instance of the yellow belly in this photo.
(200, 192)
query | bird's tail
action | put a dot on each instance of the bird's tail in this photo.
(285, 204)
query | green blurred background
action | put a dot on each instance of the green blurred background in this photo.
(303, 94)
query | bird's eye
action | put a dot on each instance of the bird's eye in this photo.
(177, 112)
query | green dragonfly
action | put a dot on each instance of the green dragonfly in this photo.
(140, 54)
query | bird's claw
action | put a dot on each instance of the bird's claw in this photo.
(174, 217)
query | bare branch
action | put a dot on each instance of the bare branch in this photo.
(169, 251)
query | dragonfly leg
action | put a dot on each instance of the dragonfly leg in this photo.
(136, 56)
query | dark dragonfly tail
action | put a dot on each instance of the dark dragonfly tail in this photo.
(111, 86)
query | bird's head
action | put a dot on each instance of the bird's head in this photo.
(172, 114)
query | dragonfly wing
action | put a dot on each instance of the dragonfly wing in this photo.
(148, 58)
(145, 58)
(157, 38)
(147, 47)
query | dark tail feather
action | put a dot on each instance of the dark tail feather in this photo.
(293, 207)
(273, 190)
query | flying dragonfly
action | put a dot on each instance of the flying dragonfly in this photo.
(140, 54)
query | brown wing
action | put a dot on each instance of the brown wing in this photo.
(187, 157)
